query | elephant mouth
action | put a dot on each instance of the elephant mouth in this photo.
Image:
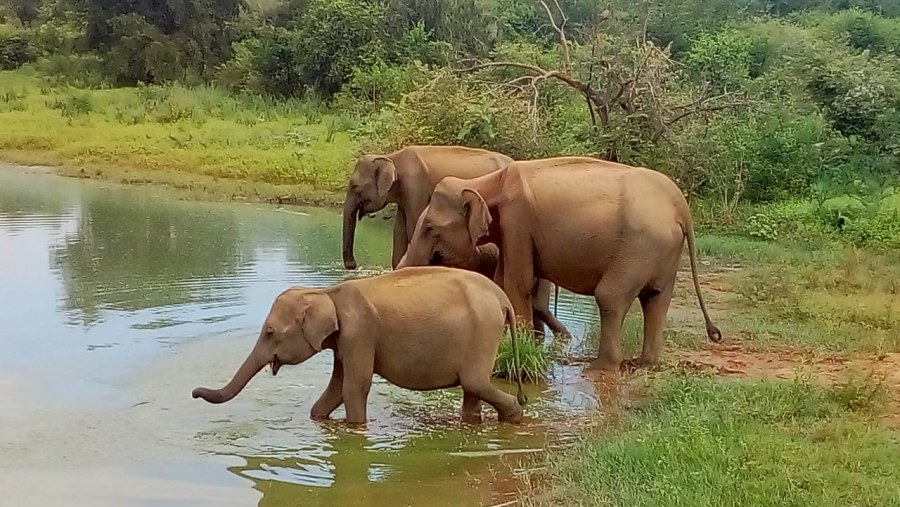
(437, 258)
(276, 365)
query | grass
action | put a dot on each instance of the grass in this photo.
(534, 359)
(195, 138)
(700, 441)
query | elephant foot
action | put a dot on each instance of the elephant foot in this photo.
(605, 365)
(513, 415)
(471, 418)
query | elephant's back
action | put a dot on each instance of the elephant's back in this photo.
(424, 281)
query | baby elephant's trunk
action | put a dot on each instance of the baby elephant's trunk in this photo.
(251, 367)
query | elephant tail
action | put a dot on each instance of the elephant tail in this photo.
(556, 300)
(712, 331)
(513, 338)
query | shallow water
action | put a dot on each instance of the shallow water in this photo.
(115, 302)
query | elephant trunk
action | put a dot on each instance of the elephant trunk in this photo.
(251, 367)
(351, 212)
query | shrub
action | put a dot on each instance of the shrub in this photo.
(337, 36)
(445, 108)
(721, 59)
(377, 85)
(15, 51)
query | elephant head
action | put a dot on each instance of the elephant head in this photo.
(448, 231)
(367, 192)
(297, 327)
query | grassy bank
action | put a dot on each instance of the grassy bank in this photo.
(701, 441)
(198, 139)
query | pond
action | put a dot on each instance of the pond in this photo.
(115, 302)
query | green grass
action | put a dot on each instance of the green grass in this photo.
(180, 136)
(534, 359)
(700, 441)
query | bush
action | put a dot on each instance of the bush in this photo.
(721, 59)
(15, 51)
(336, 37)
(372, 87)
(80, 71)
(444, 108)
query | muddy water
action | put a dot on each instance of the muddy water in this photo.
(115, 302)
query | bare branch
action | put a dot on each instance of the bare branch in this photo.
(561, 30)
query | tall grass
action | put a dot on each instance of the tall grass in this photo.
(534, 359)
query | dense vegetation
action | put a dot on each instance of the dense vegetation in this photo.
(781, 113)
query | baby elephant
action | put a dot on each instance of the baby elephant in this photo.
(421, 328)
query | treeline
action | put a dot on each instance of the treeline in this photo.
(759, 101)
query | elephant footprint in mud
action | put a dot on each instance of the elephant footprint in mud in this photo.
(421, 328)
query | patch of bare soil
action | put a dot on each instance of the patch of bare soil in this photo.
(732, 360)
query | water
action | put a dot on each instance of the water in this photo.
(115, 302)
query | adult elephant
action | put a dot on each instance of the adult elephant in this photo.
(593, 227)
(407, 177)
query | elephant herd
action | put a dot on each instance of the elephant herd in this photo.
(479, 239)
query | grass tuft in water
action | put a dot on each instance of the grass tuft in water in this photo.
(534, 360)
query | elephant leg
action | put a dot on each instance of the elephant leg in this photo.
(613, 304)
(542, 310)
(401, 238)
(471, 409)
(655, 307)
(357, 383)
(508, 409)
(333, 396)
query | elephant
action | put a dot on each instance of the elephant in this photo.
(598, 228)
(420, 328)
(407, 177)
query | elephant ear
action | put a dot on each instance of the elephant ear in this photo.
(319, 319)
(385, 175)
(477, 213)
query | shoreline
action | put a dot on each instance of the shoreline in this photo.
(187, 186)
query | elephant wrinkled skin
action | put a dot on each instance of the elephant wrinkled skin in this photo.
(593, 227)
(420, 328)
(407, 177)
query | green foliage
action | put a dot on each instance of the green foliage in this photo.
(337, 36)
(15, 51)
(534, 359)
(721, 59)
(445, 108)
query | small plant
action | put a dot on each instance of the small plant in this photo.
(74, 104)
(858, 394)
(534, 359)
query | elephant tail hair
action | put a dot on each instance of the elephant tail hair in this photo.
(712, 331)
(513, 338)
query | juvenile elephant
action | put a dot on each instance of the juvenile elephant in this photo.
(407, 177)
(420, 328)
(593, 227)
